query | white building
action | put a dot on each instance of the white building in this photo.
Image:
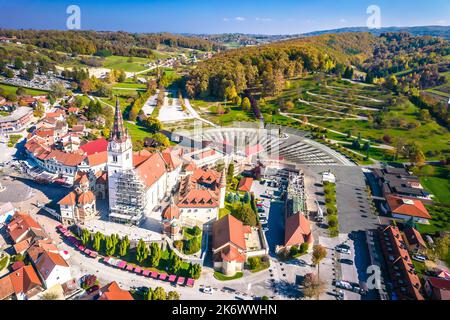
(52, 269)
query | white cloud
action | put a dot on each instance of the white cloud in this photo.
(225, 19)
(239, 19)
(264, 19)
(343, 20)
(442, 22)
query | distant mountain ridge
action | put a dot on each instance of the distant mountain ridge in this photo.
(242, 39)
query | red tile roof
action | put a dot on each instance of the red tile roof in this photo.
(245, 184)
(20, 224)
(95, 146)
(297, 230)
(407, 206)
(114, 292)
(24, 280)
(47, 261)
(228, 230)
(441, 288)
(231, 253)
(406, 283)
(413, 237)
(171, 212)
(6, 288)
(96, 159)
(152, 169)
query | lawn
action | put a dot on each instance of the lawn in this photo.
(4, 262)
(8, 89)
(130, 85)
(438, 183)
(137, 132)
(440, 219)
(221, 277)
(122, 63)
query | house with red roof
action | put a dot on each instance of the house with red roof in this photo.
(297, 231)
(112, 291)
(437, 288)
(245, 184)
(52, 269)
(21, 284)
(406, 209)
(405, 282)
(233, 243)
(414, 240)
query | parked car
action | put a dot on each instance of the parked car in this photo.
(346, 261)
(208, 290)
(263, 221)
(343, 250)
(261, 210)
(265, 229)
(419, 258)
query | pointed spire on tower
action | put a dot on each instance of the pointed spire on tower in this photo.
(119, 133)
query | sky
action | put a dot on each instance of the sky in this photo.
(221, 16)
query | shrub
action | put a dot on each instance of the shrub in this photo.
(332, 221)
(293, 251)
(304, 247)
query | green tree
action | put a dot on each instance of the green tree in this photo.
(159, 294)
(150, 294)
(98, 237)
(155, 254)
(173, 295)
(142, 251)
(246, 105)
(152, 124)
(85, 237)
(175, 263)
(195, 270)
(124, 245)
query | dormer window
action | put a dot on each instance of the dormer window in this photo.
(114, 158)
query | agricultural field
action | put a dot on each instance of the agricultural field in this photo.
(127, 64)
(8, 89)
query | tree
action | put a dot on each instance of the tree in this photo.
(319, 253)
(18, 63)
(49, 296)
(98, 237)
(155, 254)
(254, 263)
(416, 155)
(150, 294)
(85, 237)
(348, 73)
(20, 91)
(9, 73)
(124, 245)
(304, 247)
(142, 251)
(173, 295)
(159, 294)
(58, 89)
(246, 105)
(195, 270)
(111, 244)
(312, 286)
(161, 138)
(441, 247)
(175, 263)
(152, 124)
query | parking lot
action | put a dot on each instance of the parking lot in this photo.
(355, 217)
(274, 210)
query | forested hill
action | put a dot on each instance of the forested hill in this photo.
(268, 65)
(116, 43)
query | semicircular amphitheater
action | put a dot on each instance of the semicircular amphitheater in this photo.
(290, 146)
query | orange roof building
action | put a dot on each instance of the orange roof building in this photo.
(113, 292)
(297, 230)
(406, 283)
(407, 208)
(229, 244)
(25, 282)
(245, 184)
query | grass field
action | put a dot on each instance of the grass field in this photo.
(122, 63)
(437, 181)
(8, 89)
(221, 277)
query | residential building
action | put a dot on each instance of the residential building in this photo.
(245, 184)
(17, 121)
(112, 291)
(414, 241)
(437, 288)
(21, 284)
(52, 269)
(405, 282)
(23, 226)
(406, 209)
(233, 243)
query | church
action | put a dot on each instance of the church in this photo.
(138, 181)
